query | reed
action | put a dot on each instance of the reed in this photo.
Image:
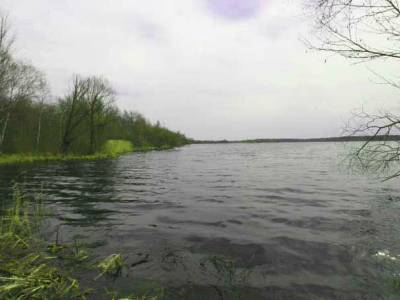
(32, 269)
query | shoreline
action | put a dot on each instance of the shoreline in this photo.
(363, 138)
(27, 158)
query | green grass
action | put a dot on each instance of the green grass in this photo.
(111, 266)
(31, 158)
(26, 272)
(111, 149)
(117, 147)
(32, 269)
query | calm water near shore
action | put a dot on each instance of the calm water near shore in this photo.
(255, 221)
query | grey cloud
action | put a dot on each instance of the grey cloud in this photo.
(277, 27)
(146, 29)
(239, 74)
(234, 9)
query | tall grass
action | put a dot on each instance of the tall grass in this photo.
(31, 269)
(26, 272)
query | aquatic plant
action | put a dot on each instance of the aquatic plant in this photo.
(31, 269)
(31, 277)
(71, 255)
(228, 274)
(25, 271)
(111, 266)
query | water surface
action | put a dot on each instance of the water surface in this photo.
(283, 219)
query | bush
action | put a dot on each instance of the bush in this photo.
(116, 147)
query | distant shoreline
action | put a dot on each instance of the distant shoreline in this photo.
(305, 140)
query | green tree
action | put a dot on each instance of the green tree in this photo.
(100, 98)
(74, 112)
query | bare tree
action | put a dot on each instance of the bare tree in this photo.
(100, 98)
(22, 81)
(358, 29)
(381, 151)
(18, 80)
(5, 60)
(74, 112)
(6, 41)
(44, 95)
(365, 30)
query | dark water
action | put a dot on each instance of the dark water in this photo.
(248, 221)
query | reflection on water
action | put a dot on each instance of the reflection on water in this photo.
(283, 214)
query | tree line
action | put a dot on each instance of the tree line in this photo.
(80, 122)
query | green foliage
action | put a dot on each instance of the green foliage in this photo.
(25, 271)
(74, 255)
(111, 266)
(116, 147)
(30, 158)
(22, 131)
(80, 123)
(33, 278)
(32, 270)
(112, 148)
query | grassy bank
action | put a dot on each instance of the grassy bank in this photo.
(31, 268)
(111, 149)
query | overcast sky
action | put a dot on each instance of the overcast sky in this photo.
(211, 69)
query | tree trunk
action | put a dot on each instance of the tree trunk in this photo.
(3, 131)
(91, 132)
(39, 129)
(66, 140)
(65, 145)
(92, 140)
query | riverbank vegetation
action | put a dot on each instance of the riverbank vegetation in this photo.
(84, 123)
(110, 149)
(31, 268)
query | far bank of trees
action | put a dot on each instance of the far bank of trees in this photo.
(80, 122)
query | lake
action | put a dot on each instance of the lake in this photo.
(227, 221)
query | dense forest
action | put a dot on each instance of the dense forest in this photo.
(80, 122)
